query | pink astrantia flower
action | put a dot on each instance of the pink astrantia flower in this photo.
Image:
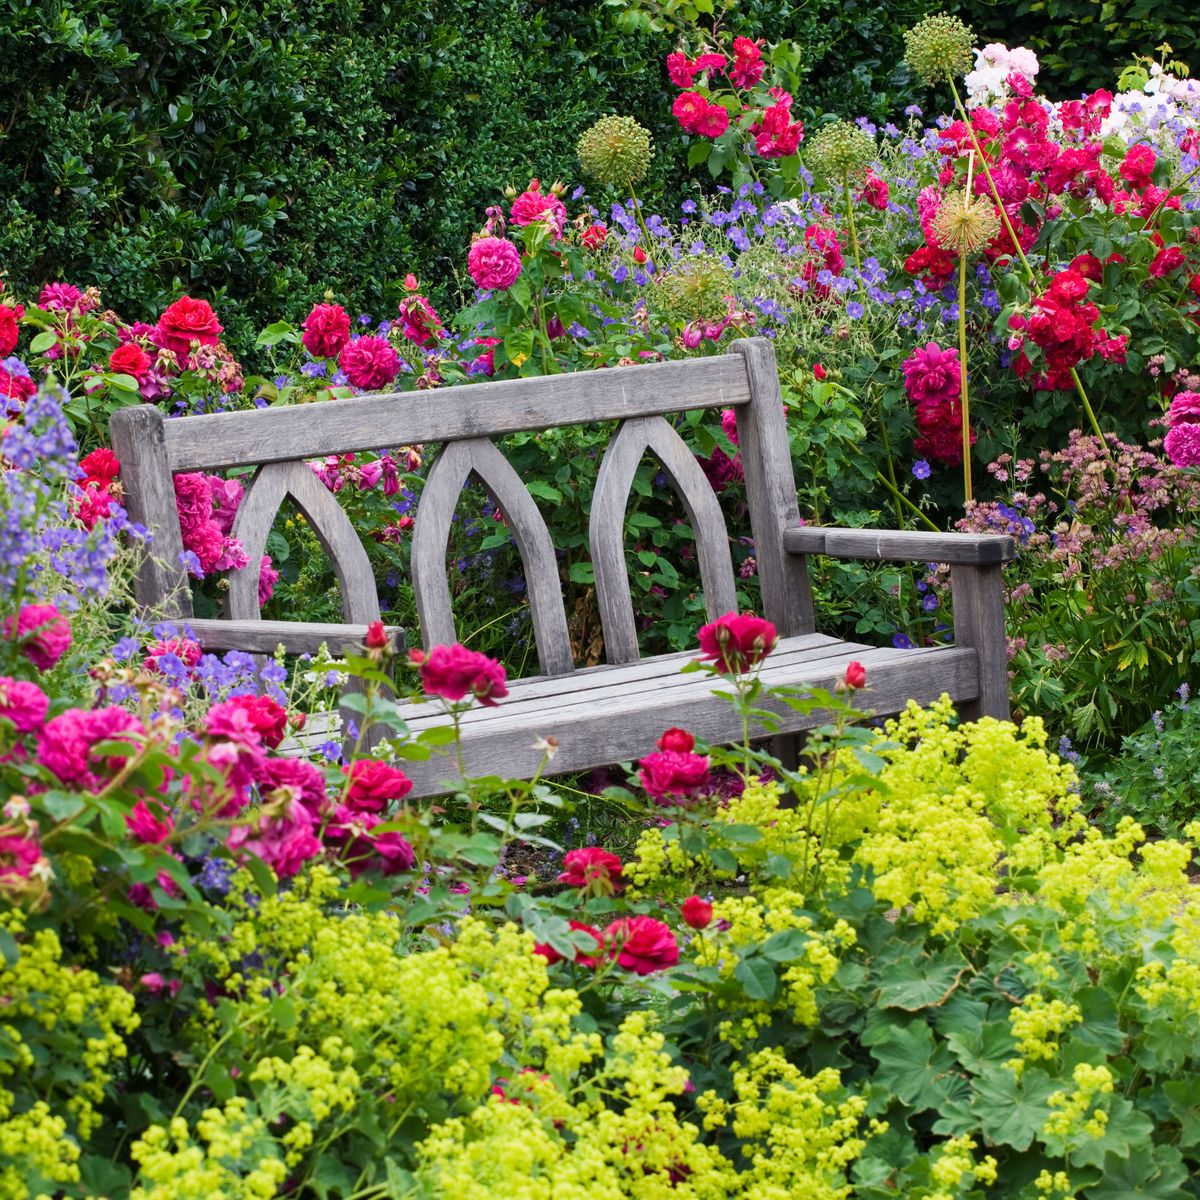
(369, 362)
(494, 263)
(24, 704)
(737, 641)
(44, 634)
(667, 773)
(454, 672)
(641, 944)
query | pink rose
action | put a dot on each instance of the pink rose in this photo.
(187, 321)
(268, 577)
(737, 641)
(453, 672)
(369, 362)
(591, 865)
(672, 773)
(226, 500)
(681, 70)
(267, 716)
(18, 857)
(285, 840)
(1182, 445)
(146, 827)
(16, 383)
(304, 781)
(65, 747)
(1137, 168)
(24, 704)
(374, 785)
(531, 205)
(326, 330)
(60, 297)
(641, 944)
(44, 634)
(193, 501)
(494, 263)
(1185, 409)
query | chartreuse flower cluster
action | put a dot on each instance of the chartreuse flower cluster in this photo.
(51, 1014)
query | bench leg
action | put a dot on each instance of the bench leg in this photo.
(979, 623)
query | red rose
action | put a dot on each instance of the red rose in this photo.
(671, 773)
(737, 641)
(552, 956)
(591, 865)
(266, 715)
(594, 236)
(1169, 259)
(1137, 168)
(326, 330)
(453, 672)
(13, 383)
(819, 372)
(101, 466)
(681, 70)
(641, 944)
(639, 255)
(374, 785)
(187, 321)
(129, 359)
(678, 740)
(8, 328)
(377, 636)
(712, 122)
(696, 912)
(689, 110)
(856, 676)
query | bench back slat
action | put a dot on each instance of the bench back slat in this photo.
(271, 486)
(771, 492)
(278, 441)
(431, 535)
(240, 439)
(606, 530)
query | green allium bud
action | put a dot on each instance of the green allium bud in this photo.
(939, 48)
(616, 151)
(965, 224)
(841, 150)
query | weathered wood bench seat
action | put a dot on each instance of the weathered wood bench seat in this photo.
(598, 715)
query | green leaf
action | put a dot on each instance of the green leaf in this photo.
(1011, 1110)
(916, 983)
(1126, 1128)
(698, 152)
(757, 976)
(581, 572)
(1149, 1173)
(280, 331)
(43, 342)
(536, 487)
(518, 345)
(917, 1069)
(786, 946)
(9, 950)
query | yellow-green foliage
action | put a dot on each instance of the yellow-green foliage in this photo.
(52, 1014)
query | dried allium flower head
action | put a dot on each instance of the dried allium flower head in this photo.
(841, 150)
(965, 224)
(616, 151)
(939, 48)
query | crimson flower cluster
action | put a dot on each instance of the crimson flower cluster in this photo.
(933, 380)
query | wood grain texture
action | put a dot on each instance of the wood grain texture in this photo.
(891, 545)
(296, 637)
(476, 410)
(633, 719)
(271, 485)
(771, 491)
(978, 593)
(431, 536)
(139, 442)
(606, 528)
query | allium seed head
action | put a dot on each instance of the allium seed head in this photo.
(616, 151)
(939, 48)
(841, 150)
(965, 224)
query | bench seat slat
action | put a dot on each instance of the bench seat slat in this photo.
(621, 720)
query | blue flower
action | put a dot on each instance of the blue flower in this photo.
(921, 469)
(854, 310)
(902, 641)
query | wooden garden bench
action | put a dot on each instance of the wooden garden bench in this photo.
(598, 715)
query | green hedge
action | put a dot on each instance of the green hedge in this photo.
(259, 154)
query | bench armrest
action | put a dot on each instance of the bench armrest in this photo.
(891, 545)
(296, 637)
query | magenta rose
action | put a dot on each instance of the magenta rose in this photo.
(18, 857)
(673, 773)
(453, 672)
(187, 321)
(737, 641)
(1184, 410)
(65, 745)
(44, 634)
(1182, 445)
(24, 704)
(285, 841)
(268, 577)
(369, 362)
(326, 330)
(60, 297)
(494, 263)
(146, 827)
(531, 205)
(592, 865)
(193, 500)
(641, 944)
(374, 785)
(301, 778)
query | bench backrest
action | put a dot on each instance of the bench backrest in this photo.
(465, 420)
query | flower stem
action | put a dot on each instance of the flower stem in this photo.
(850, 219)
(637, 212)
(962, 367)
(905, 500)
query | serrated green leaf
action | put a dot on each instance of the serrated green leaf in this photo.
(758, 978)
(917, 1069)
